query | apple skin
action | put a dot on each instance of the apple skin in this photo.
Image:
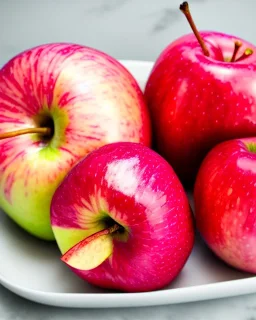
(135, 187)
(91, 99)
(197, 101)
(225, 202)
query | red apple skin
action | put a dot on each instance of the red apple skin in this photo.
(225, 203)
(140, 191)
(197, 101)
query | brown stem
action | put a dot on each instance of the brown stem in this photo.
(246, 54)
(238, 44)
(44, 131)
(184, 7)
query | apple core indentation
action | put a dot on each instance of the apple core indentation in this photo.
(46, 121)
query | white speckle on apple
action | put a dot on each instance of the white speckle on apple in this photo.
(230, 190)
(123, 176)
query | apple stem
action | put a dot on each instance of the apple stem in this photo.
(184, 7)
(246, 54)
(238, 44)
(44, 131)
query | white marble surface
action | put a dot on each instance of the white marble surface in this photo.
(126, 29)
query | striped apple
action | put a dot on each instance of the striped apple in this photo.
(72, 100)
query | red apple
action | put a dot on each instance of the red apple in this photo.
(201, 96)
(122, 219)
(72, 100)
(225, 202)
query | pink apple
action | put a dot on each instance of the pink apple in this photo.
(197, 101)
(80, 99)
(129, 185)
(225, 202)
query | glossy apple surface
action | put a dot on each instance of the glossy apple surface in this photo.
(197, 101)
(131, 185)
(225, 202)
(86, 97)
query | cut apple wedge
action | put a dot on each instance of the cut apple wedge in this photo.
(91, 251)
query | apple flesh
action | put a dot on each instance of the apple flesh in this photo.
(225, 202)
(92, 251)
(197, 101)
(130, 185)
(86, 98)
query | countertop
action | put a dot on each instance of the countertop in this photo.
(125, 29)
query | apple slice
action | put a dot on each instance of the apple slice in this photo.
(91, 251)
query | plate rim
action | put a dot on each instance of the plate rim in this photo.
(217, 290)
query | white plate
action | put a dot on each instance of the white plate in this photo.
(32, 269)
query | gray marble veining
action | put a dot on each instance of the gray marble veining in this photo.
(126, 29)
(104, 7)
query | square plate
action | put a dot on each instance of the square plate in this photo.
(32, 269)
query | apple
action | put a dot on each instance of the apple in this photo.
(225, 202)
(200, 92)
(122, 220)
(59, 102)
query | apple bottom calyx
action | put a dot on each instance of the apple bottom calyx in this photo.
(91, 251)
